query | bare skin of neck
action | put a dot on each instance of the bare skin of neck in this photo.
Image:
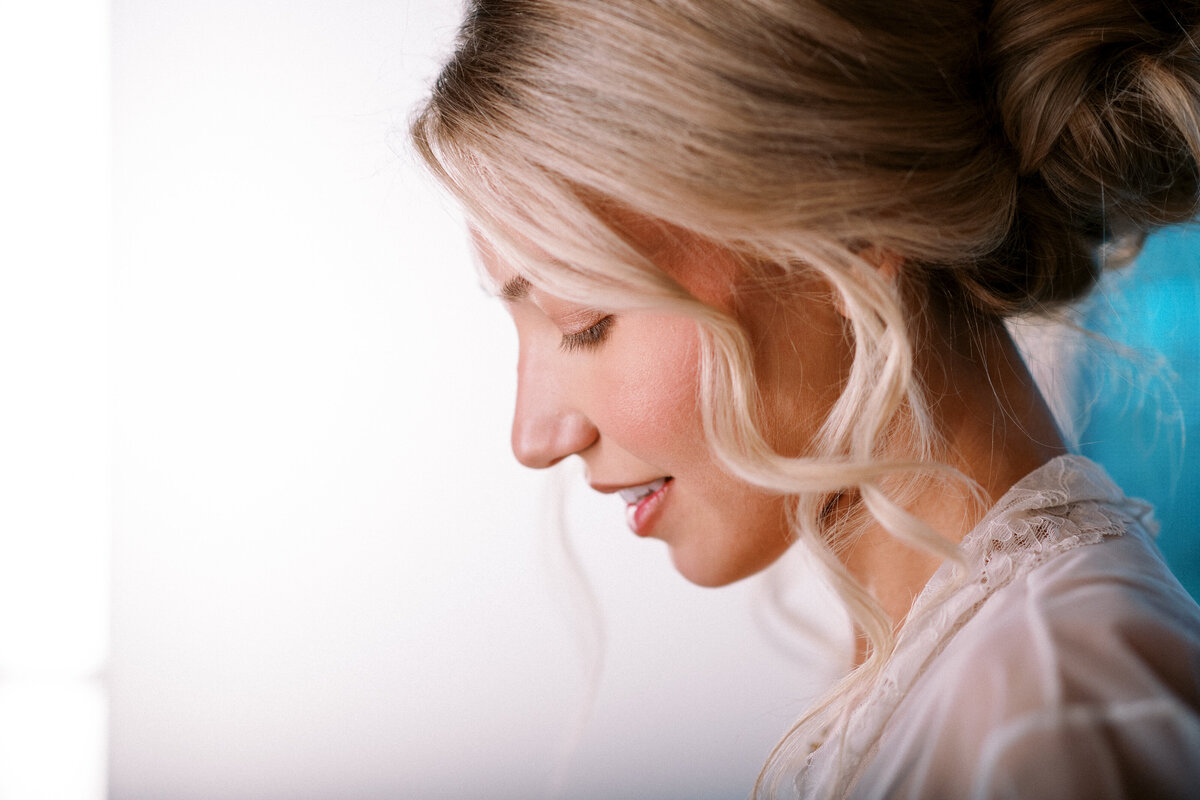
(997, 429)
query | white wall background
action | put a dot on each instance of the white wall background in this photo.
(330, 578)
(54, 499)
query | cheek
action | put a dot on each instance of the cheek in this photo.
(649, 394)
(802, 361)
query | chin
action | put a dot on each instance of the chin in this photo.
(713, 570)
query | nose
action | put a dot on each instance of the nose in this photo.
(546, 426)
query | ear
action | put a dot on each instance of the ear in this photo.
(888, 262)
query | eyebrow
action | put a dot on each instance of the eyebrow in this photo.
(515, 288)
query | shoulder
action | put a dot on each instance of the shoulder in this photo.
(1098, 623)
(1092, 667)
(1080, 678)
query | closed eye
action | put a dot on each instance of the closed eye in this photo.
(588, 338)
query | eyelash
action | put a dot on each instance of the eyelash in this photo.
(589, 338)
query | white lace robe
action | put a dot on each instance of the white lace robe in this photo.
(1066, 666)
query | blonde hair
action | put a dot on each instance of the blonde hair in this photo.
(993, 146)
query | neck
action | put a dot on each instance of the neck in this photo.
(996, 429)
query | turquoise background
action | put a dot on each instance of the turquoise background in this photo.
(1144, 426)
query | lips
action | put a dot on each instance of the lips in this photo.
(642, 503)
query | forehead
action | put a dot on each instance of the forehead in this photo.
(708, 271)
(498, 277)
(503, 278)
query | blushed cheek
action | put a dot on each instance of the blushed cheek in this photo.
(654, 407)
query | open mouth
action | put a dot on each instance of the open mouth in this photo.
(635, 494)
(642, 504)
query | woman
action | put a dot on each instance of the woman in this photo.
(760, 254)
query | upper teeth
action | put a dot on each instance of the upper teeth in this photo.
(635, 493)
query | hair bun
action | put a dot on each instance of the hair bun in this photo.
(1101, 101)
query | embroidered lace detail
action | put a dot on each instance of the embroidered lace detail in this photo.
(1068, 503)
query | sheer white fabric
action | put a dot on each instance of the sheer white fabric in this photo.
(1065, 665)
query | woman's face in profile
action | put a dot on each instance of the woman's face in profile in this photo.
(621, 392)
